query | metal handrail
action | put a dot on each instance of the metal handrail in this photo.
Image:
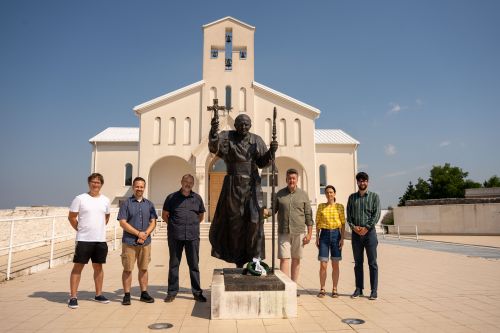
(53, 237)
(398, 229)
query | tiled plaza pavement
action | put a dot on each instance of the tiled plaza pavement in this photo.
(420, 291)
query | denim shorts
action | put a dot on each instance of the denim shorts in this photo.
(329, 245)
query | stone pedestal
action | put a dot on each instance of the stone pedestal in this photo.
(238, 296)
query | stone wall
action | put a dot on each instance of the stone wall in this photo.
(466, 219)
(456, 201)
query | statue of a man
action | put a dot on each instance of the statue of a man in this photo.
(236, 232)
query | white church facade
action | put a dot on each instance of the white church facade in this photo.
(172, 137)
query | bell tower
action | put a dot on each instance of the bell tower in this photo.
(228, 68)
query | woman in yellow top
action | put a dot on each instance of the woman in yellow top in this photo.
(330, 227)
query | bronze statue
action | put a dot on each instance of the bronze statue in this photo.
(236, 232)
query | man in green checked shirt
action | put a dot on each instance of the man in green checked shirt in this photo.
(363, 212)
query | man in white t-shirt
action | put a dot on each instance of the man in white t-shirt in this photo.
(88, 215)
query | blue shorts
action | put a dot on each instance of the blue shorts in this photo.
(329, 245)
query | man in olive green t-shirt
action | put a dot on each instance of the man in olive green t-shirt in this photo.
(294, 214)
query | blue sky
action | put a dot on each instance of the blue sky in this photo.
(416, 82)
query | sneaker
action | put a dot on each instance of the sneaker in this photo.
(200, 298)
(358, 292)
(373, 295)
(146, 298)
(169, 298)
(126, 299)
(101, 299)
(73, 303)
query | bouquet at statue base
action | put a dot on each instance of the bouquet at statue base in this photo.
(258, 267)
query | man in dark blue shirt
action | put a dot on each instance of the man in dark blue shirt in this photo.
(183, 211)
(137, 217)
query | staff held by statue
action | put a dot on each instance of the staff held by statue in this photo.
(273, 187)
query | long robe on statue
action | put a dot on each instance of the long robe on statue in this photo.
(237, 231)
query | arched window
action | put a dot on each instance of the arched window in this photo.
(128, 174)
(243, 99)
(296, 132)
(268, 127)
(282, 132)
(228, 97)
(171, 131)
(213, 95)
(157, 131)
(229, 49)
(187, 131)
(322, 178)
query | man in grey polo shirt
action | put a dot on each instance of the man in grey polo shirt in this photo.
(294, 214)
(137, 217)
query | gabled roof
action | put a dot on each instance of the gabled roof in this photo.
(117, 134)
(228, 18)
(333, 136)
(165, 98)
(131, 134)
(261, 87)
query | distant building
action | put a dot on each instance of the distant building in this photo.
(491, 192)
(172, 137)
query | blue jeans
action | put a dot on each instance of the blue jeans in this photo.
(369, 243)
(329, 240)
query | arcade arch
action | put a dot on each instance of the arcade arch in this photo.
(165, 177)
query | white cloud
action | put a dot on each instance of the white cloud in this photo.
(390, 149)
(445, 143)
(396, 108)
(419, 102)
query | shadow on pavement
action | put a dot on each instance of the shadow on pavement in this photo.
(62, 296)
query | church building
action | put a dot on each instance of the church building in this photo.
(172, 137)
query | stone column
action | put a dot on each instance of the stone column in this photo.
(202, 186)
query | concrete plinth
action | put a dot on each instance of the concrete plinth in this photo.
(247, 297)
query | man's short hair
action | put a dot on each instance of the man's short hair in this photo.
(188, 175)
(291, 171)
(139, 179)
(94, 176)
(361, 176)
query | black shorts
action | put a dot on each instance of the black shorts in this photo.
(97, 251)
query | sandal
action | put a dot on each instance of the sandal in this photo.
(334, 293)
(322, 293)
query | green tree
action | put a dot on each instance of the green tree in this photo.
(471, 184)
(420, 191)
(494, 181)
(444, 182)
(408, 195)
(447, 182)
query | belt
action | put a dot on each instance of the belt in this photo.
(240, 169)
